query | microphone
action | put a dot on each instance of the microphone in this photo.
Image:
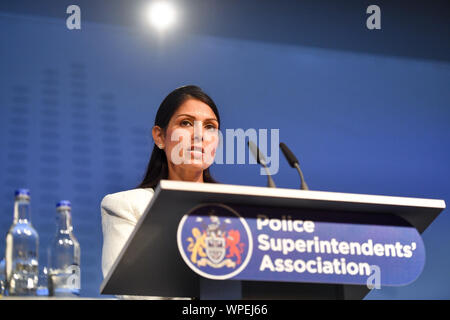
(262, 161)
(293, 162)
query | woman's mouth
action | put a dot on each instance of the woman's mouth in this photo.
(196, 151)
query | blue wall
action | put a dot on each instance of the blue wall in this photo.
(76, 109)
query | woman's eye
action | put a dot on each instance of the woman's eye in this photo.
(185, 123)
(211, 127)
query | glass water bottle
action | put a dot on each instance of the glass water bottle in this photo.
(22, 244)
(64, 256)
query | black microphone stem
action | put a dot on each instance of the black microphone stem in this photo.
(270, 182)
(304, 186)
(262, 161)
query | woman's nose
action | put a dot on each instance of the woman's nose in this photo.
(198, 131)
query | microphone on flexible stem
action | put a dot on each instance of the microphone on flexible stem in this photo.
(293, 161)
(262, 161)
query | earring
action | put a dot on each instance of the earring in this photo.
(160, 146)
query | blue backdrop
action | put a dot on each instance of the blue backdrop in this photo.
(76, 110)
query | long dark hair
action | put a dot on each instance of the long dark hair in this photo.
(157, 167)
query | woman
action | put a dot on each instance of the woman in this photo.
(186, 137)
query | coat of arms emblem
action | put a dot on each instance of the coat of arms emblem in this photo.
(215, 245)
(215, 241)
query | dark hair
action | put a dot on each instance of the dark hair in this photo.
(157, 168)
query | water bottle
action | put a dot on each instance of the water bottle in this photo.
(64, 256)
(21, 254)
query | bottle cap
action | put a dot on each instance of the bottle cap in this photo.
(23, 193)
(63, 204)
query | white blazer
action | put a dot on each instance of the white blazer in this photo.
(120, 214)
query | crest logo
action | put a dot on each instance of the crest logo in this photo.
(215, 241)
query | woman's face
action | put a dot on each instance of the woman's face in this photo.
(191, 137)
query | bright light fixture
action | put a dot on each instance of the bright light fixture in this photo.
(162, 14)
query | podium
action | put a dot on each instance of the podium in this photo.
(150, 263)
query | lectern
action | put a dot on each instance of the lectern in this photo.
(290, 244)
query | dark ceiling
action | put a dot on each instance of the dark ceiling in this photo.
(415, 29)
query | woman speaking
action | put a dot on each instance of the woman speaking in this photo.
(186, 138)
